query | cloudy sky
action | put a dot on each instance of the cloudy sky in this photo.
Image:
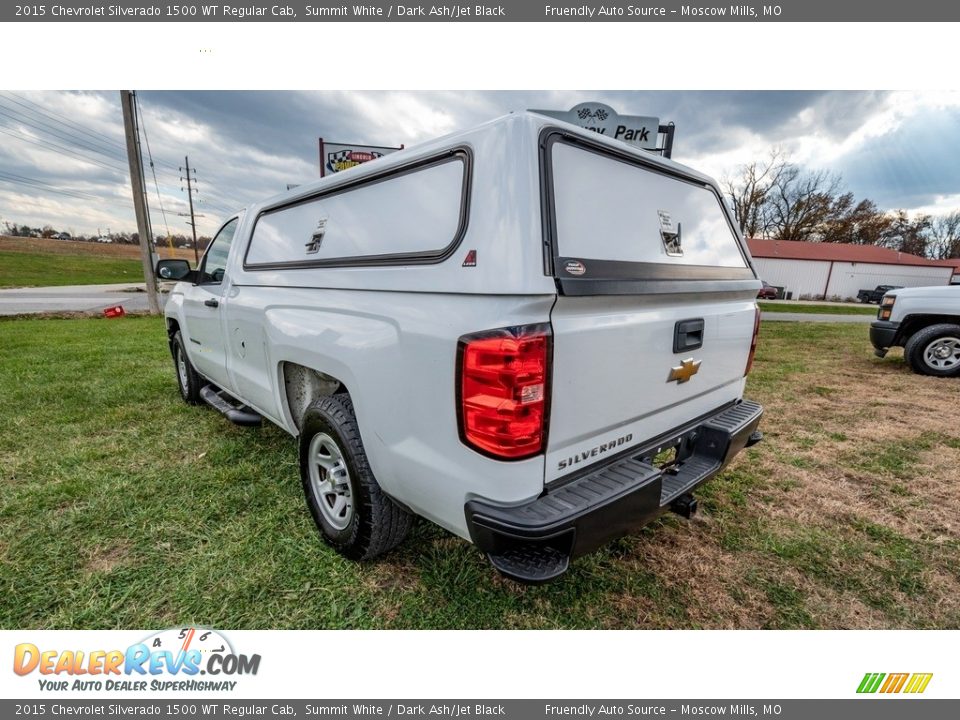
(62, 158)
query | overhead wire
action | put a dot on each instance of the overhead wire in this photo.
(142, 124)
(64, 132)
(32, 182)
(6, 130)
(72, 124)
(87, 146)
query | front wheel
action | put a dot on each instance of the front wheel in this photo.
(935, 350)
(350, 510)
(187, 378)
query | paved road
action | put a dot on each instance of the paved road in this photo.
(94, 298)
(815, 317)
(73, 298)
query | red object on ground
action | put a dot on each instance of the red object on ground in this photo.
(115, 311)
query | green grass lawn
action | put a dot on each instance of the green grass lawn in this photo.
(848, 309)
(120, 506)
(22, 269)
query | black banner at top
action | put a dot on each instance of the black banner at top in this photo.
(508, 10)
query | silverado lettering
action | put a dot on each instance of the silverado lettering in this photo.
(593, 452)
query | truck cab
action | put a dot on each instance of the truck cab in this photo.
(925, 322)
(875, 295)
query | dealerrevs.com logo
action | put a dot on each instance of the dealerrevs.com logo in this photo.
(181, 659)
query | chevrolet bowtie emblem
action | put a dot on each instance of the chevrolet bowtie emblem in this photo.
(686, 370)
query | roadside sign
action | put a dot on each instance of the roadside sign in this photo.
(638, 130)
(337, 157)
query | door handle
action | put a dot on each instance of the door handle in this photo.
(688, 335)
(212, 302)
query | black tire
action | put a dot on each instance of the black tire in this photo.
(188, 381)
(376, 524)
(915, 351)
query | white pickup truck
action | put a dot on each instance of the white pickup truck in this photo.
(531, 335)
(925, 321)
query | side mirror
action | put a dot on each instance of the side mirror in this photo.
(173, 269)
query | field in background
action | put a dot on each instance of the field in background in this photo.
(818, 309)
(34, 262)
(122, 507)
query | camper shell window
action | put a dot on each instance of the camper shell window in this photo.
(612, 216)
(414, 214)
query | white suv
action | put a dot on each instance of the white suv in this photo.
(531, 335)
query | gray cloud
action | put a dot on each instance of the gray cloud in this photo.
(249, 145)
(911, 167)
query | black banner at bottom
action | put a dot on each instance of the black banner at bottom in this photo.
(871, 707)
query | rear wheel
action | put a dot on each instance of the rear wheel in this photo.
(351, 511)
(187, 378)
(935, 350)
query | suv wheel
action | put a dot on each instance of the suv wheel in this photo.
(935, 350)
(348, 506)
(187, 378)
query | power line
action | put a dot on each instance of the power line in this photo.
(73, 126)
(65, 193)
(146, 234)
(61, 133)
(49, 124)
(212, 204)
(153, 169)
(59, 148)
(102, 141)
(13, 178)
(193, 221)
(40, 110)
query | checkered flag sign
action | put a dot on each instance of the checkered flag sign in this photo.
(587, 114)
(349, 157)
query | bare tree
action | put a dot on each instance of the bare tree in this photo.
(749, 189)
(909, 235)
(800, 202)
(945, 236)
(861, 223)
(780, 199)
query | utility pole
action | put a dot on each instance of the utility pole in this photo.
(193, 220)
(139, 199)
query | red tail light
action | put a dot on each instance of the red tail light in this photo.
(753, 342)
(502, 390)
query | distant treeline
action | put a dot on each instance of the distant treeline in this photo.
(779, 199)
(120, 238)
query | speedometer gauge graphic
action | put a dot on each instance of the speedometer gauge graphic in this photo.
(182, 640)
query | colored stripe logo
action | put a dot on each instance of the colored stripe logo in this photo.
(913, 683)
